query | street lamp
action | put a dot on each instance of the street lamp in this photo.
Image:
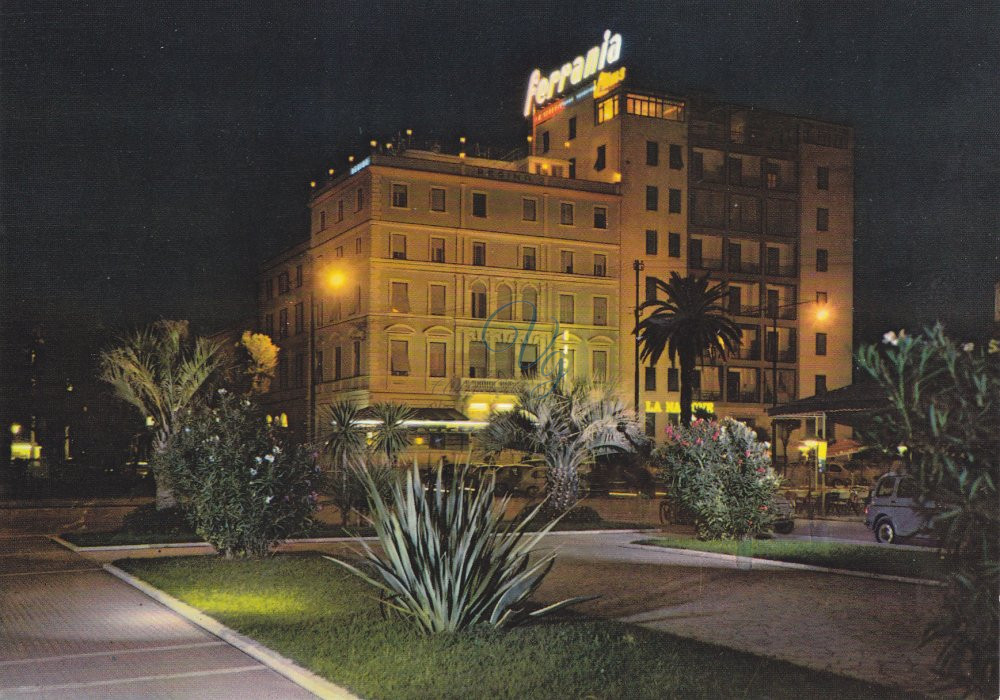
(638, 266)
(335, 280)
(822, 314)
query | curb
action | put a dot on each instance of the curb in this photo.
(276, 662)
(784, 564)
(305, 540)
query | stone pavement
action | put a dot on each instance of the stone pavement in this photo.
(69, 629)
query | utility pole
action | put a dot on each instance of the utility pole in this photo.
(638, 266)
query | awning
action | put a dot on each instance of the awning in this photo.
(847, 405)
(428, 417)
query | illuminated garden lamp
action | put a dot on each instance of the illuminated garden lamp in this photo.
(409, 132)
(373, 143)
(312, 183)
(330, 172)
(461, 139)
(15, 428)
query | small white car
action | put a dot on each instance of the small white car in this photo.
(895, 511)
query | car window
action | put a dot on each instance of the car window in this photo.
(907, 489)
(885, 488)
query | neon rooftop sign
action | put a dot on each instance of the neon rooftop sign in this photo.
(543, 88)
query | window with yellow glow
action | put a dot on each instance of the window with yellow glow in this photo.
(644, 106)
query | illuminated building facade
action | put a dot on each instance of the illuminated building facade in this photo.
(410, 253)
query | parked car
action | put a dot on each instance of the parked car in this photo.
(894, 511)
(532, 483)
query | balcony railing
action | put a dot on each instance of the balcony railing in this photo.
(781, 270)
(496, 385)
(784, 355)
(747, 352)
(743, 309)
(705, 263)
(745, 267)
(708, 394)
(745, 396)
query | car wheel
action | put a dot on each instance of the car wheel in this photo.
(885, 532)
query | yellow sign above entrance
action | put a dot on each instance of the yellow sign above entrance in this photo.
(675, 406)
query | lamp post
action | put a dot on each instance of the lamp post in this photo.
(335, 280)
(638, 266)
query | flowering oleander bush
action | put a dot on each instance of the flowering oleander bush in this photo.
(720, 472)
(244, 485)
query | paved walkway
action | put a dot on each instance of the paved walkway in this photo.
(69, 629)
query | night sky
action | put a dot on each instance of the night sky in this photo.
(154, 153)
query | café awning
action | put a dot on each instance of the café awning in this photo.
(847, 405)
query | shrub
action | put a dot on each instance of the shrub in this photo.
(722, 474)
(448, 562)
(149, 519)
(944, 408)
(244, 486)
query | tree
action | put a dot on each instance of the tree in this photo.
(345, 452)
(260, 362)
(163, 373)
(686, 324)
(390, 437)
(569, 427)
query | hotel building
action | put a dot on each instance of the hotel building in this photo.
(411, 252)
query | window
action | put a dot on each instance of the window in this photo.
(283, 323)
(650, 289)
(674, 204)
(319, 367)
(600, 265)
(643, 106)
(436, 359)
(438, 296)
(606, 109)
(479, 204)
(357, 299)
(300, 369)
(529, 305)
(269, 324)
(674, 244)
(269, 289)
(505, 361)
(652, 242)
(356, 369)
(283, 283)
(338, 362)
(822, 177)
(572, 168)
(820, 385)
(600, 311)
(340, 211)
(822, 219)
(529, 209)
(566, 214)
(566, 261)
(399, 297)
(676, 157)
(673, 379)
(528, 258)
(821, 297)
(322, 220)
(600, 362)
(357, 246)
(437, 199)
(437, 250)
(479, 254)
(300, 318)
(361, 200)
(340, 251)
(821, 344)
(651, 425)
(600, 162)
(600, 217)
(400, 196)
(478, 366)
(479, 301)
(572, 129)
(528, 360)
(652, 153)
(652, 198)
(822, 260)
(399, 358)
(545, 142)
(397, 246)
(566, 308)
(504, 307)
(650, 384)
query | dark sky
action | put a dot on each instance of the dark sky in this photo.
(153, 153)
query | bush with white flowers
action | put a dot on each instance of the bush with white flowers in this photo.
(244, 485)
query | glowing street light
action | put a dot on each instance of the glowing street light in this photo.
(15, 428)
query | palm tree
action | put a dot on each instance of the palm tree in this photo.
(163, 372)
(569, 427)
(689, 322)
(345, 447)
(391, 436)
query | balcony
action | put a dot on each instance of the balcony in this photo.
(705, 263)
(784, 355)
(781, 270)
(496, 385)
(708, 394)
(747, 352)
(742, 310)
(744, 267)
(745, 395)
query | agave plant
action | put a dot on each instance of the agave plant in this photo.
(449, 562)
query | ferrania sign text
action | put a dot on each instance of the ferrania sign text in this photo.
(542, 88)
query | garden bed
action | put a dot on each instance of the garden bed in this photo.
(310, 610)
(833, 555)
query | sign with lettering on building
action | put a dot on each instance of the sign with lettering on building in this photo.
(542, 89)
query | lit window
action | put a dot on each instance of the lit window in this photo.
(566, 214)
(478, 365)
(600, 217)
(400, 196)
(643, 106)
(607, 109)
(566, 308)
(399, 297)
(437, 250)
(399, 358)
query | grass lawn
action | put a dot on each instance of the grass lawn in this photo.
(172, 535)
(312, 611)
(834, 555)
